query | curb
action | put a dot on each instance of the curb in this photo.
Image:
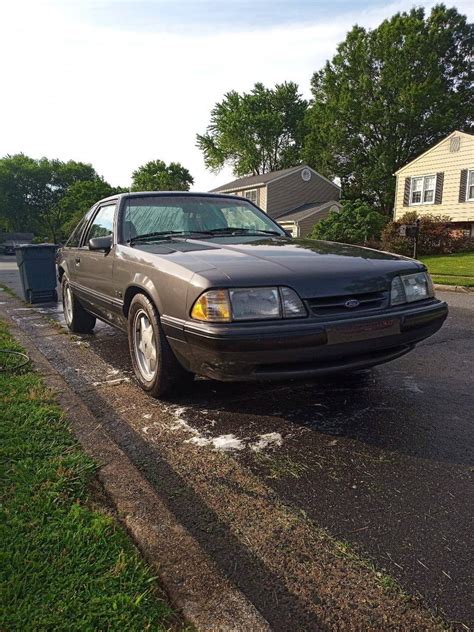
(453, 288)
(183, 568)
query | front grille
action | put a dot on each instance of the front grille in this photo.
(341, 305)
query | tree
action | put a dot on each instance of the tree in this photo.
(30, 191)
(77, 200)
(255, 132)
(356, 223)
(157, 176)
(386, 96)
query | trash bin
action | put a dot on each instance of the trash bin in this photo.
(37, 265)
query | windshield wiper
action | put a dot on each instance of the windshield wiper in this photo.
(228, 230)
(162, 234)
(244, 231)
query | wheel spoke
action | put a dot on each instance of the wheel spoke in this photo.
(145, 347)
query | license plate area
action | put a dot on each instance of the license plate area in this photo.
(354, 332)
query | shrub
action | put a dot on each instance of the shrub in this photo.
(436, 236)
(356, 223)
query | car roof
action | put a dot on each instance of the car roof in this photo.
(190, 194)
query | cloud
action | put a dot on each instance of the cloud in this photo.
(118, 96)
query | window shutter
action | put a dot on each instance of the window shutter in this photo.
(406, 194)
(439, 188)
(463, 186)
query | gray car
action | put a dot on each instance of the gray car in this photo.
(210, 285)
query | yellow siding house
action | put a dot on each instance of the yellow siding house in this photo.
(440, 182)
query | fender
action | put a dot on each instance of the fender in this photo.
(141, 283)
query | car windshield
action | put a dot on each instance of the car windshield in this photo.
(209, 216)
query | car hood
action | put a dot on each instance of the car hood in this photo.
(313, 268)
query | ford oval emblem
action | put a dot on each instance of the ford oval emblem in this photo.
(351, 303)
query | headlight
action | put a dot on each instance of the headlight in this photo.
(259, 303)
(408, 288)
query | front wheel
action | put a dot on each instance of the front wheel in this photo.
(155, 365)
(77, 319)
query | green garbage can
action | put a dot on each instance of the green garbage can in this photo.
(37, 265)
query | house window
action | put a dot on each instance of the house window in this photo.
(251, 195)
(470, 185)
(422, 190)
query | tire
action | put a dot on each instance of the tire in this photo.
(77, 319)
(154, 363)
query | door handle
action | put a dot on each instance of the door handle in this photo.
(77, 261)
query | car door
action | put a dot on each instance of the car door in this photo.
(94, 268)
(73, 244)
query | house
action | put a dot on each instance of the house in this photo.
(440, 182)
(297, 197)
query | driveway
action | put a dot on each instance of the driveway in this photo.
(382, 461)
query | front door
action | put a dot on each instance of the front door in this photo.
(94, 269)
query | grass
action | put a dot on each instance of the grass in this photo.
(63, 564)
(7, 289)
(456, 269)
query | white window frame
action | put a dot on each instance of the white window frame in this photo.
(245, 195)
(469, 172)
(422, 203)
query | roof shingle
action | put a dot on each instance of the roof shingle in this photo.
(246, 181)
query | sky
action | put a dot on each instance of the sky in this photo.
(119, 82)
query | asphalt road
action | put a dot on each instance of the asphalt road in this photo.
(383, 460)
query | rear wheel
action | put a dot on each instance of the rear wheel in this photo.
(77, 319)
(155, 365)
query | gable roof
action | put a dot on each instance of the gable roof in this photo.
(432, 148)
(258, 180)
(306, 210)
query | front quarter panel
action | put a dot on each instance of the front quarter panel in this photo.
(162, 278)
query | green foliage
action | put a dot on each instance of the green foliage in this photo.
(78, 199)
(157, 176)
(64, 566)
(255, 132)
(356, 223)
(30, 191)
(436, 236)
(388, 95)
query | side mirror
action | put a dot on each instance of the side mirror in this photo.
(101, 243)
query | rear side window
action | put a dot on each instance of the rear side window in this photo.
(103, 224)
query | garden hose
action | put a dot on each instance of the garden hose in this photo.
(12, 360)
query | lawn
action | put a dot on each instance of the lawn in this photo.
(63, 564)
(456, 269)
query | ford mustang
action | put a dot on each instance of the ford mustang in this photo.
(210, 285)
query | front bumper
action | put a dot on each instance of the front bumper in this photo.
(303, 348)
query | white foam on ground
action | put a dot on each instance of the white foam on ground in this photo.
(271, 439)
(411, 385)
(226, 443)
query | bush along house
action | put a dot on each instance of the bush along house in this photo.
(297, 198)
(440, 182)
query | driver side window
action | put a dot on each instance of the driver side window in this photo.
(103, 224)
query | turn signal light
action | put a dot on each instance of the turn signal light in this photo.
(213, 307)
